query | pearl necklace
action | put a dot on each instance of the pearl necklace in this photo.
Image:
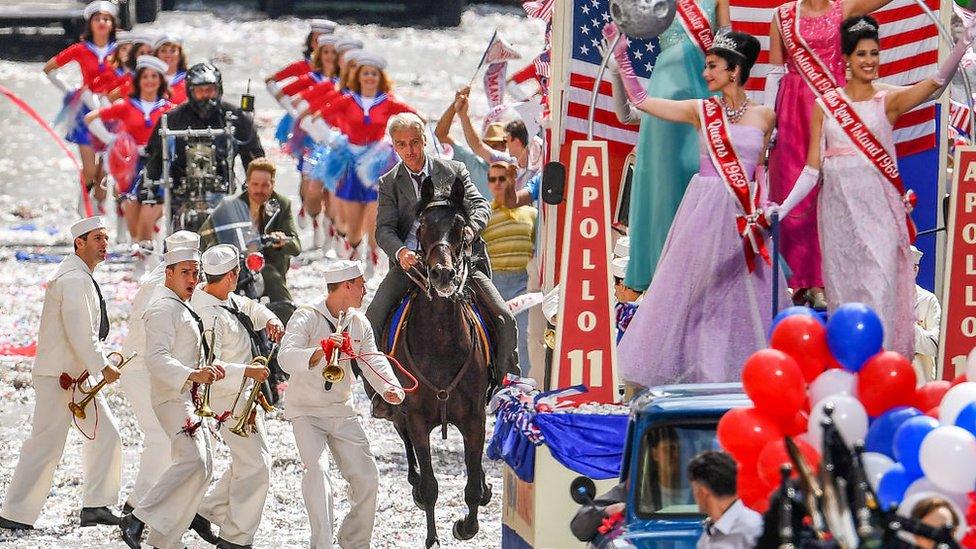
(734, 115)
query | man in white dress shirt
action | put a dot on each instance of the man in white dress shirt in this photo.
(729, 524)
(928, 318)
(135, 377)
(176, 356)
(237, 500)
(322, 414)
(74, 324)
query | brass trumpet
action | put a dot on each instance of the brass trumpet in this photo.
(204, 410)
(332, 373)
(253, 398)
(78, 409)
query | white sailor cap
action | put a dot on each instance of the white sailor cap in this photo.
(619, 267)
(123, 37)
(550, 304)
(916, 255)
(322, 26)
(168, 39)
(371, 59)
(342, 270)
(142, 38)
(152, 62)
(346, 43)
(622, 247)
(182, 239)
(220, 259)
(86, 225)
(327, 40)
(352, 56)
(101, 6)
(180, 255)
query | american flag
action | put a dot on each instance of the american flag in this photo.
(909, 53)
(959, 120)
(589, 17)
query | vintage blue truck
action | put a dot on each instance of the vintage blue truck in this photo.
(668, 426)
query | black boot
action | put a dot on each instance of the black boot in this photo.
(132, 529)
(203, 529)
(127, 508)
(14, 525)
(93, 516)
(224, 544)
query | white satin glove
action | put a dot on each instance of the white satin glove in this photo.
(771, 89)
(58, 83)
(98, 129)
(90, 99)
(273, 88)
(805, 183)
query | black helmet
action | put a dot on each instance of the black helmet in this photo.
(203, 74)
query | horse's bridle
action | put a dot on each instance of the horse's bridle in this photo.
(421, 276)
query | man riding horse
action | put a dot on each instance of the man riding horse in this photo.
(396, 233)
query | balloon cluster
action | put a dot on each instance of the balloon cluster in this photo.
(918, 440)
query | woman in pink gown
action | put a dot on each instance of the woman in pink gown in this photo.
(820, 29)
(862, 221)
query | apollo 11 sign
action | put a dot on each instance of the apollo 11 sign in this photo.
(958, 330)
(585, 352)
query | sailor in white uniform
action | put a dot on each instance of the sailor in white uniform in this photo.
(74, 325)
(135, 377)
(176, 356)
(322, 415)
(236, 502)
(928, 320)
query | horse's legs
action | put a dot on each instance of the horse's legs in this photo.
(485, 488)
(412, 476)
(474, 445)
(420, 437)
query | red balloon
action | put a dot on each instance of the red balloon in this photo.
(752, 491)
(774, 455)
(930, 395)
(961, 378)
(934, 412)
(797, 425)
(886, 380)
(743, 432)
(805, 339)
(774, 382)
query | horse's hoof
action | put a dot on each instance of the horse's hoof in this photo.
(485, 495)
(460, 532)
(419, 501)
(433, 544)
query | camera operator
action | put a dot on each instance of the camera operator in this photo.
(203, 109)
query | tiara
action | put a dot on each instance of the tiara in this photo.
(862, 25)
(725, 42)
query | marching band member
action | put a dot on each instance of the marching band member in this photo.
(169, 48)
(322, 415)
(236, 502)
(135, 378)
(176, 356)
(74, 323)
(91, 54)
(137, 116)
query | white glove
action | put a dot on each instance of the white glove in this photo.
(771, 89)
(317, 128)
(58, 83)
(273, 88)
(90, 99)
(805, 183)
(285, 103)
(98, 129)
(301, 107)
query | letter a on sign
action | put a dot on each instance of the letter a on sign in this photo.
(585, 344)
(958, 303)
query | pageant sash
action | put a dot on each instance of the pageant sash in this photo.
(807, 62)
(867, 145)
(695, 23)
(750, 223)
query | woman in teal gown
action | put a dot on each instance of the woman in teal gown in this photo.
(667, 153)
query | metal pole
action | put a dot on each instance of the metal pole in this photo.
(774, 233)
(596, 86)
(167, 188)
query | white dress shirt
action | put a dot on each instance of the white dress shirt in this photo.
(173, 347)
(738, 527)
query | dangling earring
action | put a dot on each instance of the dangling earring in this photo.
(847, 71)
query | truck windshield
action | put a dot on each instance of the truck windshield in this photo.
(662, 481)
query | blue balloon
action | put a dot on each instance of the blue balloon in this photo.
(881, 434)
(854, 334)
(794, 310)
(967, 418)
(891, 488)
(908, 440)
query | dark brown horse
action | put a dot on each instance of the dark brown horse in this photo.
(440, 344)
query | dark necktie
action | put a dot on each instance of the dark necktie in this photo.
(248, 327)
(103, 312)
(199, 323)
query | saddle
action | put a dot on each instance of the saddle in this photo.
(401, 314)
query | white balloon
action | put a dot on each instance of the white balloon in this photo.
(955, 400)
(948, 458)
(910, 501)
(833, 382)
(971, 365)
(849, 417)
(876, 465)
(924, 485)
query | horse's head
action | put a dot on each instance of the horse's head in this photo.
(441, 237)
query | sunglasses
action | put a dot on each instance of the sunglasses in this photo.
(497, 178)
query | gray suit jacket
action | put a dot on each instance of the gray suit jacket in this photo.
(398, 200)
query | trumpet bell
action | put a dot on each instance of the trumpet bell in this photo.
(78, 411)
(204, 411)
(240, 430)
(550, 338)
(333, 373)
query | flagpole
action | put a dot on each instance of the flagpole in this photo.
(596, 86)
(483, 57)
